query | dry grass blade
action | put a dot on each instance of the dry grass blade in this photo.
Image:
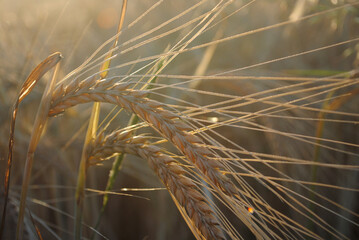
(182, 188)
(26, 88)
(39, 124)
(37, 73)
(327, 105)
(107, 63)
(39, 236)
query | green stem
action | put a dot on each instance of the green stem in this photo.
(116, 167)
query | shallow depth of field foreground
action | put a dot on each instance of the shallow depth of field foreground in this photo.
(163, 119)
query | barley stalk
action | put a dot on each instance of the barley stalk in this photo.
(171, 174)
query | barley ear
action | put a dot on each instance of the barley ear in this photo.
(183, 190)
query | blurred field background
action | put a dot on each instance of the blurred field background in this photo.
(31, 30)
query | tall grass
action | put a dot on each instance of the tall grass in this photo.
(249, 131)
